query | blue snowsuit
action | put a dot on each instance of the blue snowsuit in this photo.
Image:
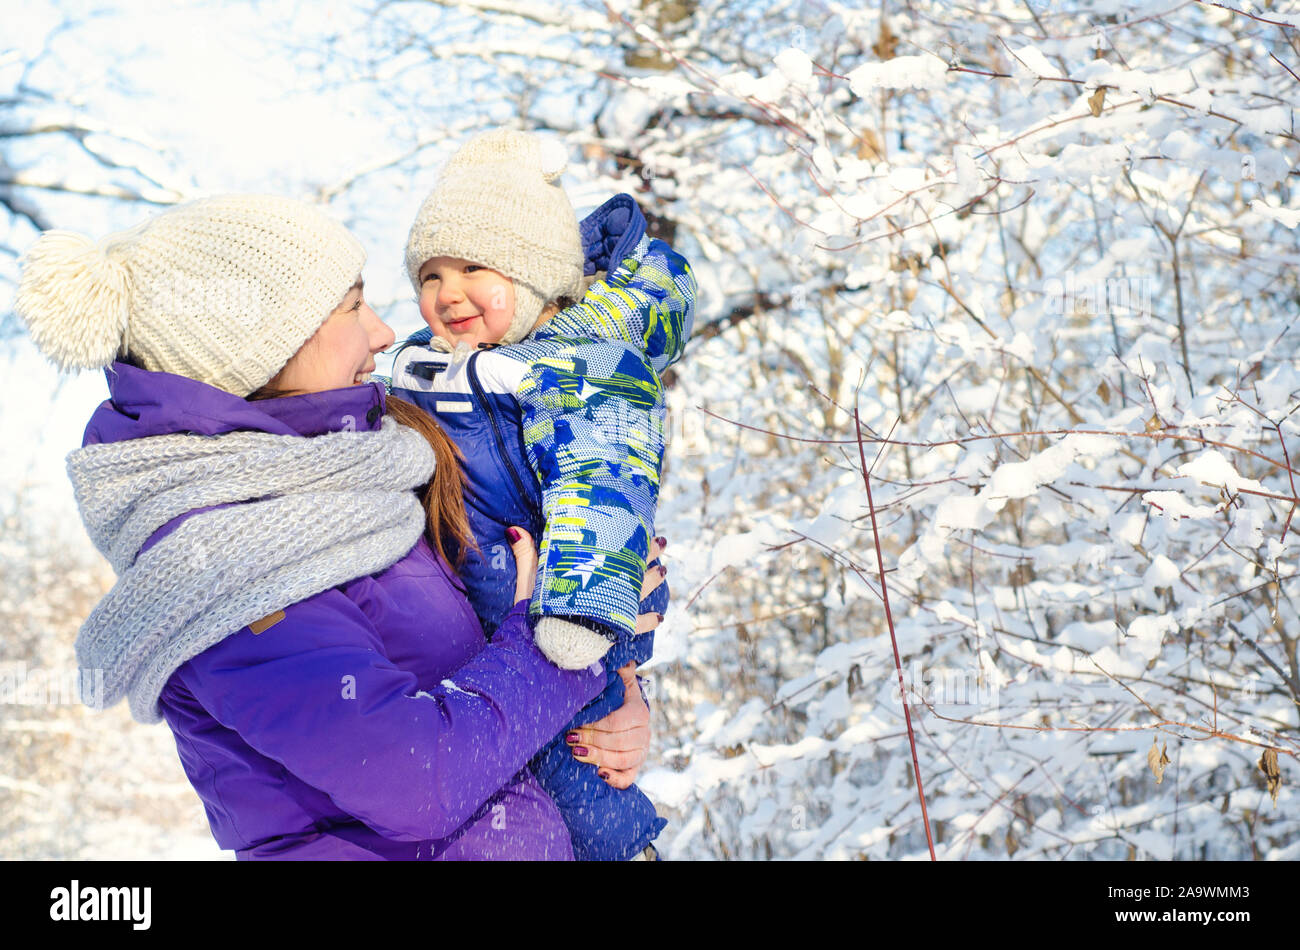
(563, 433)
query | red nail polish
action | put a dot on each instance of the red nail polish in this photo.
(662, 542)
(512, 534)
(571, 738)
(580, 749)
(604, 775)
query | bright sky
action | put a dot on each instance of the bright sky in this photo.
(209, 82)
(198, 82)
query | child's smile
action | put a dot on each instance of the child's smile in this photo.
(464, 302)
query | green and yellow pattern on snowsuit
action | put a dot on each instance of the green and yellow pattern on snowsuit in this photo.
(594, 430)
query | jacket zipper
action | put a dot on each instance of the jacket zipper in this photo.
(496, 429)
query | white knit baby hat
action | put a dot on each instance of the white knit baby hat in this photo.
(499, 203)
(223, 290)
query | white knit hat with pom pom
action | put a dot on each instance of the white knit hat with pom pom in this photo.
(223, 290)
(499, 203)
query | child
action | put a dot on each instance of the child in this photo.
(562, 429)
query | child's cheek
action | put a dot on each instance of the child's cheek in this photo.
(427, 301)
(502, 301)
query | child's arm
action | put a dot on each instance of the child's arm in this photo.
(593, 425)
(648, 298)
(594, 428)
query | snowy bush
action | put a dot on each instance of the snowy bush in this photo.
(1032, 267)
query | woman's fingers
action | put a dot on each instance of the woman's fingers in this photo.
(606, 760)
(647, 622)
(619, 743)
(621, 731)
(654, 576)
(618, 779)
(525, 552)
(629, 740)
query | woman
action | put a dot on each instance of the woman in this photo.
(279, 603)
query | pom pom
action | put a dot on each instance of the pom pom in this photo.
(553, 159)
(74, 299)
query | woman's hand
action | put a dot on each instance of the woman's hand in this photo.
(654, 576)
(525, 552)
(618, 744)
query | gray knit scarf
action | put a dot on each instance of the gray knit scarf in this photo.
(308, 515)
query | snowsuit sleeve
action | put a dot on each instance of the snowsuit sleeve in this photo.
(647, 302)
(316, 693)
(593, 425)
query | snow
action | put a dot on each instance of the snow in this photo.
(795, 65)
(1028, 60)
(1021, 558)
(1287, 217)
(902, 72)
(1211, 467)
(1175, 505)
(1145, 634)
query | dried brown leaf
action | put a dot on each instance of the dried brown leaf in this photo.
(870, 146)
(1096, 99)
(886, 42)
(855, 679)
(1022, 575)
(1158, 760)
(1272, 773)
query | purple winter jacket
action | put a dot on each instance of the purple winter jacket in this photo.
(428, 761)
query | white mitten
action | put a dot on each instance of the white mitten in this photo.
(568, 645)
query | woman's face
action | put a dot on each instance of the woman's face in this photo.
(342, 352)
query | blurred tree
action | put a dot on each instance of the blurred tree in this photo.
(50, 146)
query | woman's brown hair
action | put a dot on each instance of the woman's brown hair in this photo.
(444, 496)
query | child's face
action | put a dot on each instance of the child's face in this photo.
(464, 302)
